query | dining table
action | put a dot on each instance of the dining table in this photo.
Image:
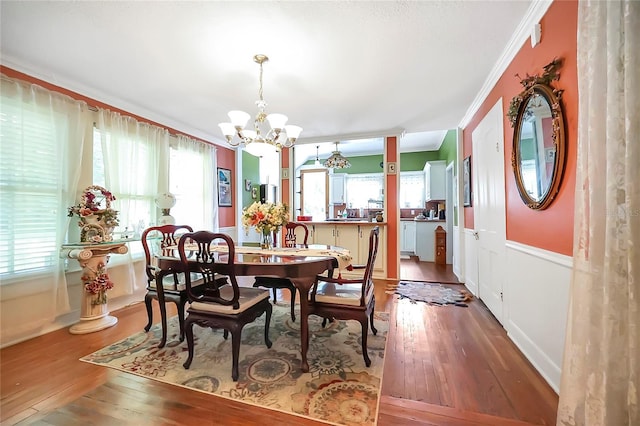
(301, 264)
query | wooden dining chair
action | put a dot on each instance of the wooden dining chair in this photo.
(349, 299)
(290, 240)
(228, 307)
(155, 241)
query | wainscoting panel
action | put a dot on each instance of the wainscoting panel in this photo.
(471, 261)
(457, 254)
(536, 303)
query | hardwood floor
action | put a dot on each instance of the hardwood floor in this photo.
(443, 366)
(413, 270)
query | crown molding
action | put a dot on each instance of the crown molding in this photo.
(533, 16)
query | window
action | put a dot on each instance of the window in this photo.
(314, 193)
(412, 190)
(31, 186)
(365, 190)
(185, 182)
(137, 214)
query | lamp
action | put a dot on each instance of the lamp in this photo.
(317, 162)
(275, 137)
(337, 161)
(165, 202)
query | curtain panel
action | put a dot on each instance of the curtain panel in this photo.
(43, 135)
(192, 176)
(600, 382)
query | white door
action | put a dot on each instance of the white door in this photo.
(487, 165)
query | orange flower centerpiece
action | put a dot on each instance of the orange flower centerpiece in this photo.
(97, 218)
(266, 218)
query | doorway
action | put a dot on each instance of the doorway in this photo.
(489, 207)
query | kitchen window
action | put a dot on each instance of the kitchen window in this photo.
(364, 187)
(412, 190)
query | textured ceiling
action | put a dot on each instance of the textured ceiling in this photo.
(341, 70)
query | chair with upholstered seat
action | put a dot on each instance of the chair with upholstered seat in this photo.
(349, 299)
(155, 242)
(290, 240)
(227, 307)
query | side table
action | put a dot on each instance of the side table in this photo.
(94, 314)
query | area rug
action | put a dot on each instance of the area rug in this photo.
(339, 389)
(430, 293)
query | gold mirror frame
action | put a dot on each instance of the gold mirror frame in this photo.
(535, 86)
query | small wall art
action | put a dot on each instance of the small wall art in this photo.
(466, 182)
(224, 187)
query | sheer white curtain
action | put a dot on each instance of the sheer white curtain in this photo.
(192, 179)
(412, 190)
(133, 153)
(43, 136)
(600, 377)
(364, 187)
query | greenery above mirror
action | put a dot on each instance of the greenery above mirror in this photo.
(538, 141)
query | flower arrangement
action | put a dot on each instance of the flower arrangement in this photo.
(98, 285)
(266, 218)
(91, 201)
(97, 218)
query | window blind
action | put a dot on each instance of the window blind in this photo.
(30, 187)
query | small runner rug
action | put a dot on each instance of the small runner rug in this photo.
(430, 293)
(339, 389)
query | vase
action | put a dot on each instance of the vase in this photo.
(266, 242)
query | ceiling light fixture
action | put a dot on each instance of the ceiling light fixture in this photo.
(254, 141)
(317, 162)
(337, 161)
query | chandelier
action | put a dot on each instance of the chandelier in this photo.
(336, 161)
(262, 139)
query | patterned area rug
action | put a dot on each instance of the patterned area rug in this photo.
(430, 293)
(339, 389)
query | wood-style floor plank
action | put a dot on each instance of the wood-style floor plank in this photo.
(444, 365)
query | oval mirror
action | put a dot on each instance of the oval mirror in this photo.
(539, 146)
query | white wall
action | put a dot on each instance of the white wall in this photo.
(536, 301)
(536, 306)
(470, 261)
(21, 319)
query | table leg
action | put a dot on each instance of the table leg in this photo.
(304, 285)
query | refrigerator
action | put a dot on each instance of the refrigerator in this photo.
(268, 193)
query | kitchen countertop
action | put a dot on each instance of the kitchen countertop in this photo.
(343, 222)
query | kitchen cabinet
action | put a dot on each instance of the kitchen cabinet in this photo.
(434, 178)
(408, 236)
(355, 238)
(337, 188)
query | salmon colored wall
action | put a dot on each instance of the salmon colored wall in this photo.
(392, 209)
(284, 183)
(225, 157)
(550, 229)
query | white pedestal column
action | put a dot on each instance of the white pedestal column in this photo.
(94, 313)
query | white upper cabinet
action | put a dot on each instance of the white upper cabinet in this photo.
(337, 188)
(434, 177)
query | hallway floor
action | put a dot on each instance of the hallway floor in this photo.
(413, 270)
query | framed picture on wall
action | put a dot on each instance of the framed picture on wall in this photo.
(224, 187)
(466, 182)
